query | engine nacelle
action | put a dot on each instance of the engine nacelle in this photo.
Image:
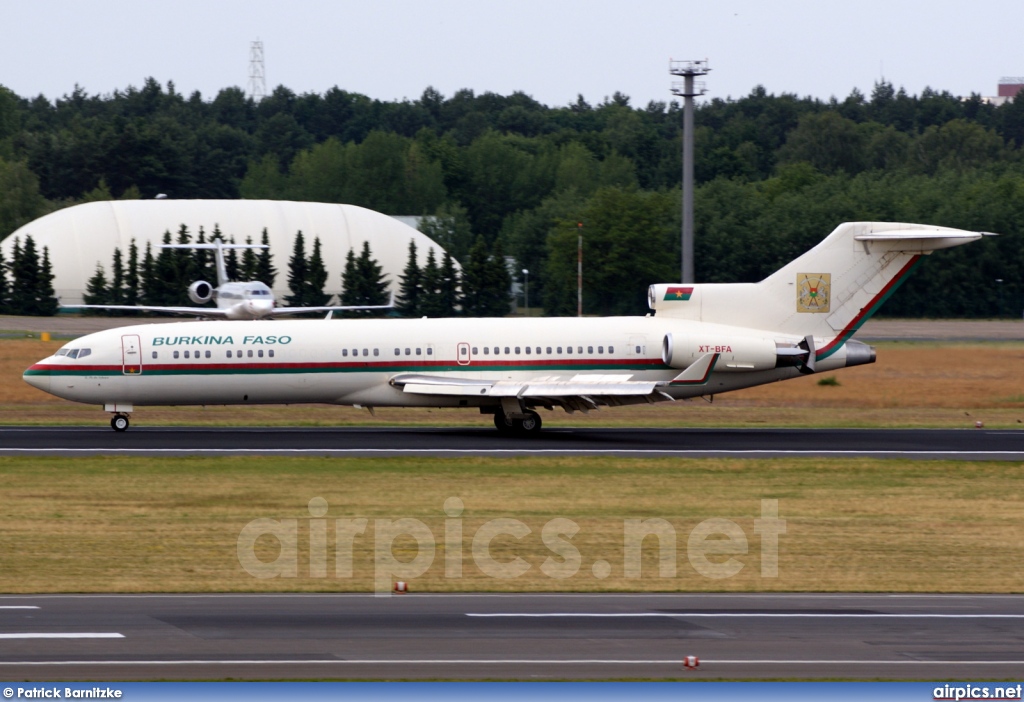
(200, 292)
(736, 353)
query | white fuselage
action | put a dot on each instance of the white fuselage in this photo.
(352, 362)
(252, 300)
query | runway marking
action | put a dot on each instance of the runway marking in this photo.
(18, 607)
(520, 451)
(62, 636)
(508, 661)
(776, 615)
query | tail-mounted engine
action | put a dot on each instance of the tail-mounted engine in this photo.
(200, 292)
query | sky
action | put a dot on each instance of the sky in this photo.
(552, 50)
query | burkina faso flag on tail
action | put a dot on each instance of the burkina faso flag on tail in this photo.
(678, 293)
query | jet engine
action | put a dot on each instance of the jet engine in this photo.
(736, 352)
(200, 292)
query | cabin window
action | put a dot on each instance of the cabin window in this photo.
(355, 352)
(638, 349)
(590, 349)
(175, 354)
(487, 350)
(527, 350)
(154, 354)
(559, 349)
(517, 350)
(238, 353)
(186, 354)
(579, 349)
(419, 351)
(600, 349)
(270, 353)
(611, 349)
(207, 354)
(229, 354)
(398, 352)
(549, 350)
(568, 349)
(497, 350)
(408, 352)
(430, 351)
(474, 350)
(366, 352)
(376, 352)
(249, 354)
(260, 353)
(344, 352)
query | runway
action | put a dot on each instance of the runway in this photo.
(124, 637)
(936, 444)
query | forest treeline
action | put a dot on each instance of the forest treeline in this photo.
(775, 174)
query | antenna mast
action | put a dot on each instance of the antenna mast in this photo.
(257, 73)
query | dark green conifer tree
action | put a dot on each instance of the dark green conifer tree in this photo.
(298, 273)
(265, 271)
(408, 301)
(316, 278)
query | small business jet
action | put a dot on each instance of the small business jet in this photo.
(235, 300)
(702, 339)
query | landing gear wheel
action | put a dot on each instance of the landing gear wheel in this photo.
(503, 424)
(119, 422)
(529, 425)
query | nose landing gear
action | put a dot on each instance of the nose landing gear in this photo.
(119, 422)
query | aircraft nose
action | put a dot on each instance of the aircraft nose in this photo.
(37, 378)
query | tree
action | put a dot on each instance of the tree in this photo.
(316, 278)
(430, 298)
(363, 282)
(298, 273)
(47, 304)
(485, 282)
(408, 301)
(116, 293)
(5, 289)
(131, 278)
(265, 271)
(96, 291)
(247, 271)
(147, 277)
(371, 275)
(448, 293)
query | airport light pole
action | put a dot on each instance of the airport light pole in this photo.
(688, 89)
(1000, 281)
(526, 288)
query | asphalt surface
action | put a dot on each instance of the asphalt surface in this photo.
(942, 444)
(123, 637)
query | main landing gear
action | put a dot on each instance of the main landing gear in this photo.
(528, 425)
(119, 422)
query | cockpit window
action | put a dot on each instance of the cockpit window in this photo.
(74, 353)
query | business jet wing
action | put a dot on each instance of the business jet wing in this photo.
(578, 392)
(188, 311)
(281, 311)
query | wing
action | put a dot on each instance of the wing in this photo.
(189, 311)
(281, 311)
(581, 392)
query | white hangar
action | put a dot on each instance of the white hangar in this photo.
(79, 237)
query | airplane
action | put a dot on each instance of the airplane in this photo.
(700, 340)
(235, 300)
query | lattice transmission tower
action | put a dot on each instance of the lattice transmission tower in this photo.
(257, 72)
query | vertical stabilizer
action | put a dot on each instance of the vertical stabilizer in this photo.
(827, 292)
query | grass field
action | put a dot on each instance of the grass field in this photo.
(925, 384)
(131, 525)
